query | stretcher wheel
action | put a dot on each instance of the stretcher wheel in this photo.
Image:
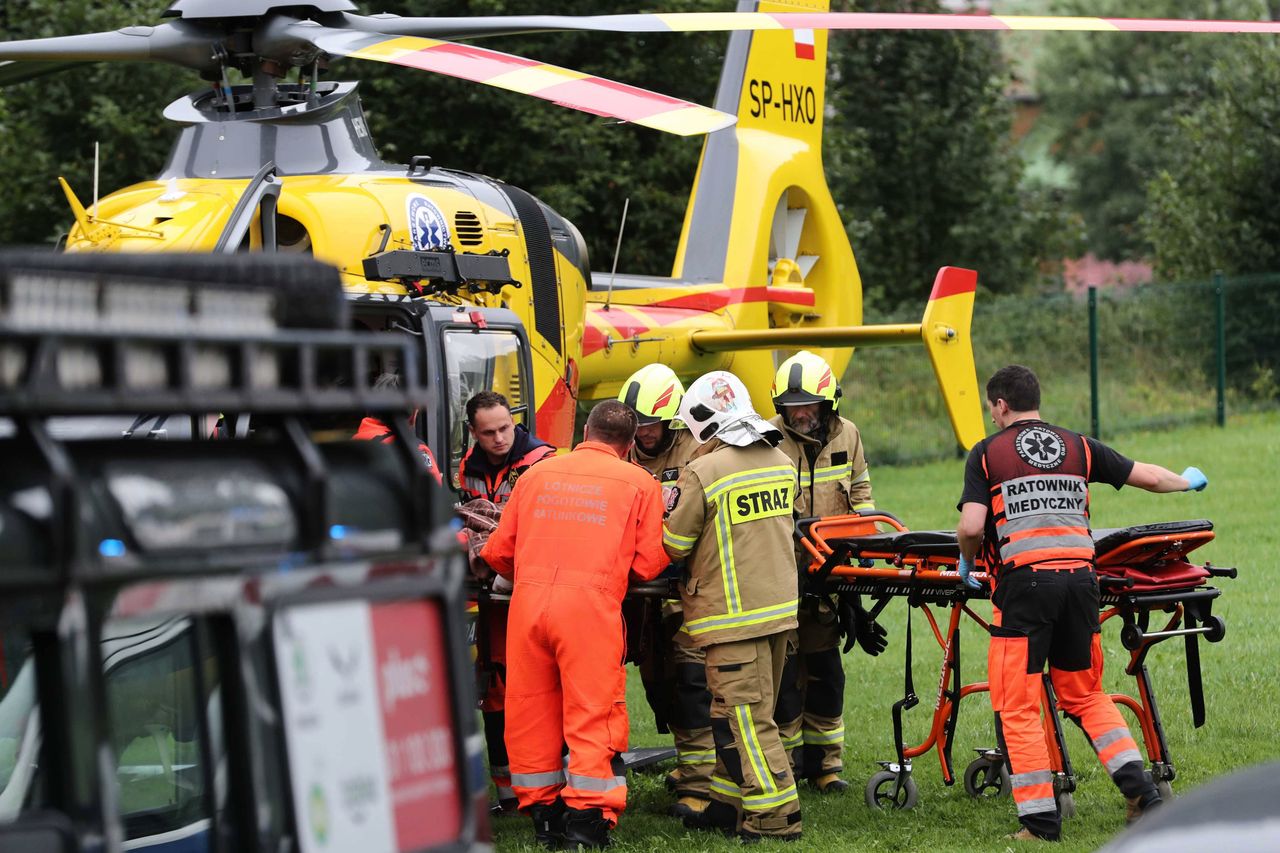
(1217, 629)
(1067, 805)
(880, 792)
(1131, 637)
(1165, 788)
(986, 778)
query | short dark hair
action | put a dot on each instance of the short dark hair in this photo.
(1017, 386)
(613, 423)
(485, 400)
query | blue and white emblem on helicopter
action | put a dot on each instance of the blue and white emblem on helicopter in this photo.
(428, 229)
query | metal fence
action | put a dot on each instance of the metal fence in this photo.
(1110, 361)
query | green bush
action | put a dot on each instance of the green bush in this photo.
(1157, 363)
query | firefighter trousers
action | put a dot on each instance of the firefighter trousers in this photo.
(1051, 617)
(810, 711)
(676, 686)
(752, 788)
(566, 686)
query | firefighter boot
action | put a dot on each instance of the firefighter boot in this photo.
(830, 783)
(587, 828)
(548, 824)
(717, 816)
(687, 807)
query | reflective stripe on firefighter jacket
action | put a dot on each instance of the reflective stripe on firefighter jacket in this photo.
(372, 429)
(833, 477)
(478, 478)
(1039, 478)
(733, 522)
(667, 465)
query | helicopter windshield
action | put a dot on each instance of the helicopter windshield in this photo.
(481, 361)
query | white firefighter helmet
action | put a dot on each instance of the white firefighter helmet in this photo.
(717, 405)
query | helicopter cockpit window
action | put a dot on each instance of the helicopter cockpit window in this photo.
(481, 361)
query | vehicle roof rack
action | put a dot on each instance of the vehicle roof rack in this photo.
(77, 340)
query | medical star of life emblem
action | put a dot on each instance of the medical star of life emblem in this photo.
(1040, 447)
(428, 229)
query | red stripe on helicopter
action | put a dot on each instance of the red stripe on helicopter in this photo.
(465, 61)
(953, 280)
(714, 300)
(885, 21)
(610, 98)
(1004, 23)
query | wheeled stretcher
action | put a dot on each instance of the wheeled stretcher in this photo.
(1144, 577)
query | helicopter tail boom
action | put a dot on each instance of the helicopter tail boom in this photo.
(944, 331)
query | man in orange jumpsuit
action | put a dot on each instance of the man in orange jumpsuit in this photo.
(576, 529)
(1026, 505)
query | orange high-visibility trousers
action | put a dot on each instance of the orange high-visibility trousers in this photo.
(566, 685)
(1051, 617)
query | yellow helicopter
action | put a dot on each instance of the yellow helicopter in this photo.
(763, 262)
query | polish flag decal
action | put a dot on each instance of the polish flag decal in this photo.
(804, 44)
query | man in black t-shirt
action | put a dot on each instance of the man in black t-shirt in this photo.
(1025, 506)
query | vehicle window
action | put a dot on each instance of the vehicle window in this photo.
(19, 723)
(157, 689)
(481, 361)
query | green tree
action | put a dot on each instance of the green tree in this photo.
(921, 162)
(1112, 102)
(48, 125)
(1213, 206)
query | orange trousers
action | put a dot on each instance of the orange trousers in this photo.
(1052, 617)
(566, 685)
(492, 680)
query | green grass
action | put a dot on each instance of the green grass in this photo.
(1241, 677)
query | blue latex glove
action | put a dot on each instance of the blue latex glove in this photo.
(1196, 480)
(965, 567)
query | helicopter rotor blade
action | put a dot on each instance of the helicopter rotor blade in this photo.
(179, 43)
(563, 86)
(12, 72)
(687, 22)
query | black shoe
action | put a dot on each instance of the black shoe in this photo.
(585, 828)
(548, 824)
(1136, 807)
(505, 807)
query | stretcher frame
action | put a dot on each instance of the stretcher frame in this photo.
(844, 551)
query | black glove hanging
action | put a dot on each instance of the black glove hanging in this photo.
(857, 626)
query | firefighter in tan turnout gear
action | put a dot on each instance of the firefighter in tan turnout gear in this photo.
(833, 479)
(733, 523)
(675, 679)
